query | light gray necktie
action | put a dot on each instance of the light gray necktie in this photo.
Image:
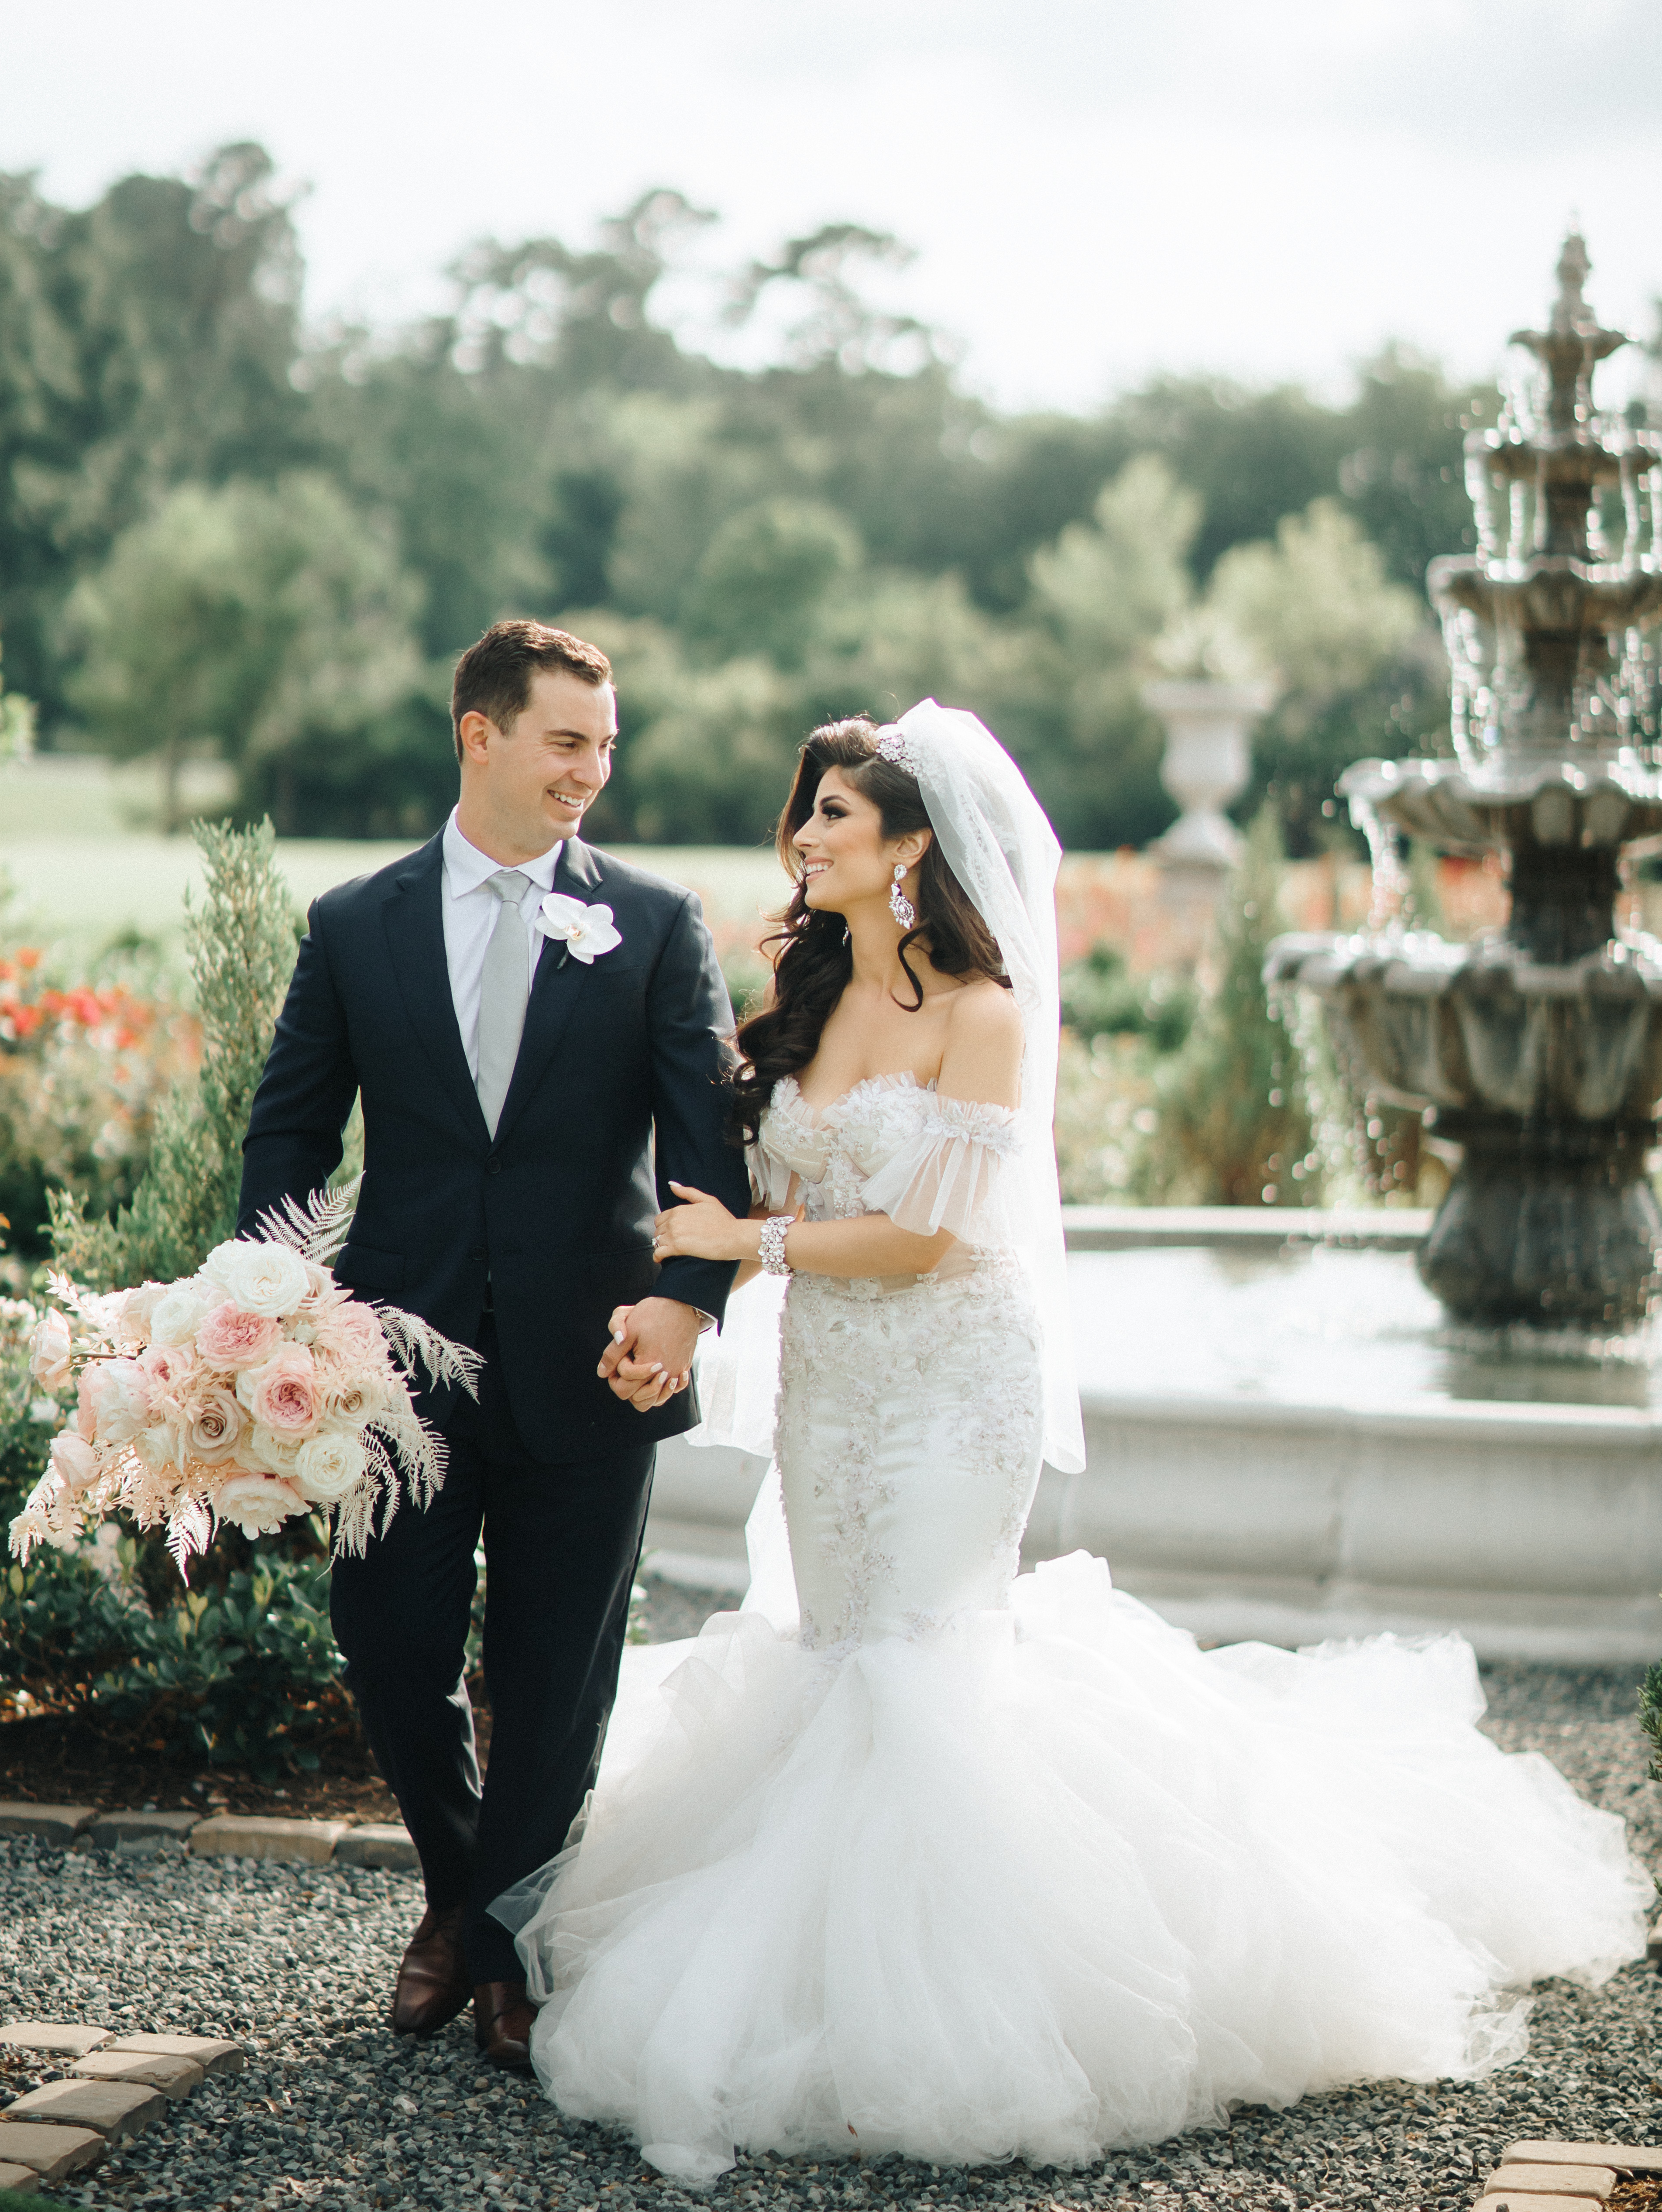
(504, 989)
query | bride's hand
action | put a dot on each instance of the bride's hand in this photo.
(701, 1227)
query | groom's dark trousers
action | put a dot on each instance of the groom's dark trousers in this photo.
(561, 1548)
(519, 1244)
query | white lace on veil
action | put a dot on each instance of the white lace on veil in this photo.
(996, 839)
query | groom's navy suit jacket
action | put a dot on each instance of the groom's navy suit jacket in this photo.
(556, 1211)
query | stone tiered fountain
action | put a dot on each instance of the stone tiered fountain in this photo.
(1538, 1049)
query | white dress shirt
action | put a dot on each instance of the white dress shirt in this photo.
(470, 911)
(470, 917)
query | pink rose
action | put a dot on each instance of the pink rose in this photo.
(113, 1401)
(282, 1395)
(169, 1369)
(350, 1332)
(227, 1337)
(74, 1461)
(49, 1351)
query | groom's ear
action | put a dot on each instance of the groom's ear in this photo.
(473, 735)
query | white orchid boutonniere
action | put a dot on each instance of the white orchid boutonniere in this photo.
(586, 932)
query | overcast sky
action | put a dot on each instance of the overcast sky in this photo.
(1095, 188)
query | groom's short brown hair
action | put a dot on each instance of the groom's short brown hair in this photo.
(493, 677)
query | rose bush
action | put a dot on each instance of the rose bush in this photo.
(83, 1069)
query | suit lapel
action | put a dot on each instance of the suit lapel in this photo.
(415, 922)
(559, 983)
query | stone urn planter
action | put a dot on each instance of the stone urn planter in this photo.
(1207, 761)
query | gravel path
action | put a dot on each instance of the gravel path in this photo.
(333, 2111)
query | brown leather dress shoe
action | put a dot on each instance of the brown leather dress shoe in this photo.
(433, 1976)
(502, 2017)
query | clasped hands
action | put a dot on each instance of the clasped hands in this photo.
(650, 1357)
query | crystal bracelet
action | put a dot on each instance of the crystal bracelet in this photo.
(771, 1249)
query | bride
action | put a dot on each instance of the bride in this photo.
(924, 1856)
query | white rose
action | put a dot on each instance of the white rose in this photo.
(74, 1461)
(132, 1321)
(49, 1349)
(176, 1318)
(114, 1401)
(256, 1277)
(277, 1455)
(161, 1448)
(329, 1466)
(256, 1505)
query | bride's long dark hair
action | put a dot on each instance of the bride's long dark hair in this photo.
(812, 964)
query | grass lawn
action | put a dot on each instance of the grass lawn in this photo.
(81, 872)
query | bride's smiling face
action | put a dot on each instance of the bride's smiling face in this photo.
(846, 860)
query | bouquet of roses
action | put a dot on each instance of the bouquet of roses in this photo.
(254, 1390)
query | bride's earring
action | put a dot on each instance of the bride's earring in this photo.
(899, 904)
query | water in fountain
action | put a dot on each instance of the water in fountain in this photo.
(1386, 916)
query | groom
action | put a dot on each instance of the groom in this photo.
(533, 1073)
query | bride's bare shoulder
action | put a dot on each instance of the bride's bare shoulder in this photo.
(982, 1060)
(983, 1011)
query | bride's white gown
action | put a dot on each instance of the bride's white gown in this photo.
(973, 1865)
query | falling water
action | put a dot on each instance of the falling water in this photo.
(1386, 917)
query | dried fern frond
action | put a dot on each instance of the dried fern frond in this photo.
(419, 1452)
(415, 1341)
(317, 1230)
(97, 1309)
(190, 1528)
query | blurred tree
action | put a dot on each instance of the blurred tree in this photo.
(845, 519)
(1350, 649)
(144, 340)
(1101, 596)
(1403, 473)
(762, 581)
(16, 724)
(840, 326)
(264, 624)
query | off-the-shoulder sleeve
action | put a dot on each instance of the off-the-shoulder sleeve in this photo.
(770, 1177)
(957, 1173)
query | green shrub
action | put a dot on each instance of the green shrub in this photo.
(241, 946)
(1100, 999)
(1650, 1717)
(246, 1676)
(1232, 1121)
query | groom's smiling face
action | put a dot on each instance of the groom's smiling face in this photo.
(524, 789)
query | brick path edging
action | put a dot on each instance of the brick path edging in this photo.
(221, 1835)
(1548, 2176)
(116, 2086)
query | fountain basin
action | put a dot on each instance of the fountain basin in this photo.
(1285, 1440)
(1483, 1027)
(1600, 802)
(1547, 1076)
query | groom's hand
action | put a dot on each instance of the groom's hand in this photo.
(650, 1357)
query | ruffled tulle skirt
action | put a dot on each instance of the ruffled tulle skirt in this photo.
(1045, 1882)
